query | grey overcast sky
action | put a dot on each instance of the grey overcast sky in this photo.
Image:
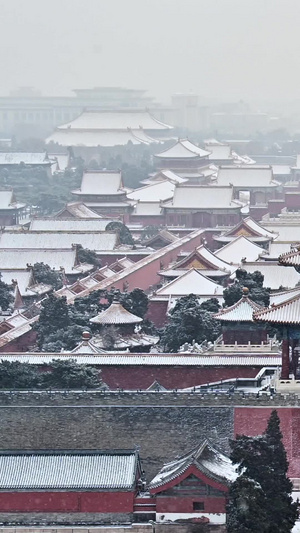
(228, 49)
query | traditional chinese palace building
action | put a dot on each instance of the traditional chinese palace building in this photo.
(238, 326)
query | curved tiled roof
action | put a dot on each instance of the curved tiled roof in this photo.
(192, 281)
(249, 228)
(183, 149)
(290, 258)
(117, 315)
(241, 311)
(209, 259)
(266, 359)
(239, 248)
(206, 458)
(287, 312)
(69, 470)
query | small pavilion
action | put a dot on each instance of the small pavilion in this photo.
(238, 326)
(120, 330)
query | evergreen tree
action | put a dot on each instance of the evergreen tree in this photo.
(124, 233)
(254, 282)
(70, 375)
(53, 317)
(88, 256)
(60, 326)
(277, 486)
(150, 231)
(246, 509)
(189, 322)
(42, 273)
(6, 295)
(262, 460)
(16, 375)
(135, 301)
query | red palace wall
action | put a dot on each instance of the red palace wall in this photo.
(147, 274)
(257, 212)
(170, 377)
(109, 259)
(151, 220)
(20, 344)
(174, 504)
(292, 200)
(253, 421)
(101, 502)
(157, 312)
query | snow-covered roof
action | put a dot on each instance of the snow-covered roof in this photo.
(154, 192)
(201, 197)
(206, 458)
(78, 210)
(281, 170)
(116, 314)
(287, 312)
(253, 227)
(12, 259)
(60, 161)
(156, 386)
(183, 149)
(250, 229)
(21, 326)
(275, 275)
(116, 120)
(93, 138)
(192, 281)
(67, 224)
(171, 176)
(219, 151)
(246, 176)
(282, 296)
(149, 359)
(100, 183)
(241, 311)
(68, 470)
(93, 240)
(126, 342)
(7, 200)
(28, 158)
(242, 159)
(277, 248)
(286, 231)
(147, 209)
(138, 265)
(239, 249)
(291, 258)
(163, 234)
(25, 282)
(205, 259)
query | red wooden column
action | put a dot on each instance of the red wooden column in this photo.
(285, 368)
(295, 356)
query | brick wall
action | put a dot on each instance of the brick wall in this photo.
(163, 425)
(171, 377)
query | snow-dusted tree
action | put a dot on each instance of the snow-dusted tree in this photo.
(277, 486)
(266, 490)
(246, 511)
(190, 321)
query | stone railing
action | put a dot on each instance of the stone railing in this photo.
(271, 346)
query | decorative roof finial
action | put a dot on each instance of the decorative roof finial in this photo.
(245, 292)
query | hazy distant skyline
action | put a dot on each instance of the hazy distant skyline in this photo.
(225, 49)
